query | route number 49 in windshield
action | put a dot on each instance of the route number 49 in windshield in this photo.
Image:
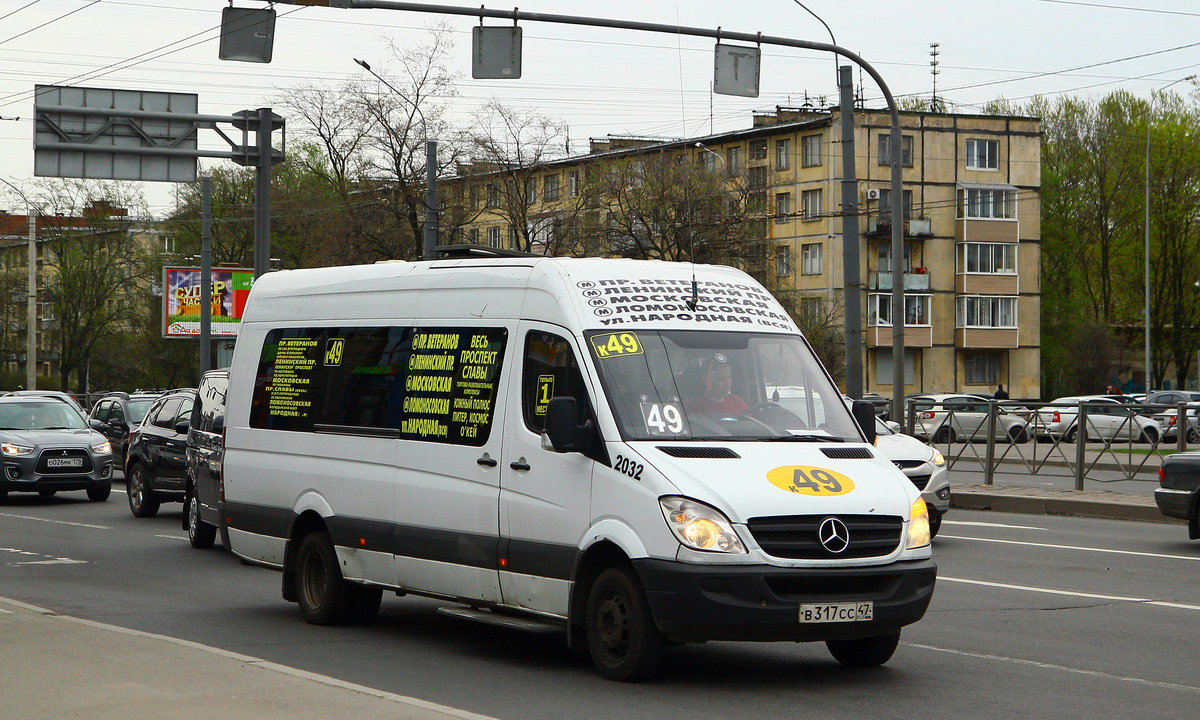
(662, 418)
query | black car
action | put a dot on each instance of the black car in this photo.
(45, 447)
(156, 460)
(114, 416)
(205, 457)
(1179, 493)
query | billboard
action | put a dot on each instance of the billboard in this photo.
(181, 300)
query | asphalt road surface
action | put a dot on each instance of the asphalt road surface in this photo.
(1033, 616)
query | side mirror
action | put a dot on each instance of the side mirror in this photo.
(182, 426)
(96, 424)
(893, 426)
(564, 434)
(218, 424)
(864, 414)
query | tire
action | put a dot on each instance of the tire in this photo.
(624, 643)
(1071, 435)
(47, 493)
(935, 523)
(1151, 436)
(944, 435)
(142, 502)
(324, 597)
(864, 652)
(99, 494)
(201, 535)
(1018, 435)
(1193, 436)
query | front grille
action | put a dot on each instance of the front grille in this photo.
(865, 586)
(44, 467)
(919, 480)
(903, 464)
(847, 453)
(795, 536)
(699, 452)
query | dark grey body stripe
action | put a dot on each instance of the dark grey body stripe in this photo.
(458, 548)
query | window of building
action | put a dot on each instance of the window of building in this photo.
(982, 368)
(885, 257)
(758, 149)
(885, 205)
(169, 244)
(473, 236)
(810, 204)
(983, 154)
(810, 259)
(550, 189)
(997, 258)
(812, 310)
(810, 151)
(493, 234)
(514, 238)
(493, 196)
(883, 366)
(531, 193)
(757, 176)
(573, 183)
(783, 154)
(476, 197)
(709, 159)
(987, 312)
(783, 260)
(906, 150)
(987, 202)
(916, 309)
(783, 207)
(733, 160)
(756, 201)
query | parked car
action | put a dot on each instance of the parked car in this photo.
(924, 465)
(1179, 493)
(156, 460)
(115, 416)
(947, 418)
(205, 458)
(47, 447)
(1166, 417)
(67, 398)
(1107, 419)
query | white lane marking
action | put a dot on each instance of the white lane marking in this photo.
(1193, 558)
(1062, 668)
(266, 665)
(6, 612)
(1071, 593)
(55, 561)
(990, 524)
(56, 522)
(171, 537)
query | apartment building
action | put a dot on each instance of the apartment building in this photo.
(970, 209)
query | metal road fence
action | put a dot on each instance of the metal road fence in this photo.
(1076, 440)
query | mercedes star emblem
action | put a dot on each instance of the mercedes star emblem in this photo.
(834, 535)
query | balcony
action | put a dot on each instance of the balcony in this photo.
(987, 230)
(914, 336)
(881, 224)
(987, 284)
(986, 338)
(883, 281)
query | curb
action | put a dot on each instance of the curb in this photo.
(1043, 501)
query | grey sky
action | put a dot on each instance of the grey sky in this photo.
(603, 81)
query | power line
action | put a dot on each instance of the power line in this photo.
(48, 22)
(14, 12)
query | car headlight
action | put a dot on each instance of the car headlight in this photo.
(14, 449)
(938, 459)
(699, 526)
(918, 525)
(104, 448)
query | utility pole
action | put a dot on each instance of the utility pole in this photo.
(31, 319)
(851, 265)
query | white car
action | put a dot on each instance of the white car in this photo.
(924, 465)
(1107, 419)
(947, 418)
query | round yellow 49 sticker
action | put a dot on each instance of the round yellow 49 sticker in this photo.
(807, 480)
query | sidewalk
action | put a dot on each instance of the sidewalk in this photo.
(73, 668)
(1056, 501)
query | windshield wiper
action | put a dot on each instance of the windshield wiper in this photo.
(803, 438)
(58, 427)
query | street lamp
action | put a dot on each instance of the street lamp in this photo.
(1146, 222)
(430, 229)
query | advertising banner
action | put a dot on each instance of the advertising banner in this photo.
(181, 300)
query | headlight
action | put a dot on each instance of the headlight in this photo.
(938, 459)
(700, 527)
(12, 449)
(918, 525)
(104, 448)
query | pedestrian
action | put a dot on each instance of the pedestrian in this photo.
(1000, 393)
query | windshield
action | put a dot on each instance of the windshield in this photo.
(138, 408)
(710, 385)
(51, 415)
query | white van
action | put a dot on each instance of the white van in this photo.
(569, 444)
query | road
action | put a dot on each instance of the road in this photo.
(1038, 616)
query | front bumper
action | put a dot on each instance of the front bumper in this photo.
(696, 603)
(30, 474)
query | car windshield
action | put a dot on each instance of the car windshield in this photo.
(711, 385)
(138, 408)
(51, 415)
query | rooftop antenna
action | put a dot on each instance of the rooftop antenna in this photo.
(933, 53)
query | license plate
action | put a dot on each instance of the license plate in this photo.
(837, 612)
(64, 462)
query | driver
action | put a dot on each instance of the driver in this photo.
(717, 396)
